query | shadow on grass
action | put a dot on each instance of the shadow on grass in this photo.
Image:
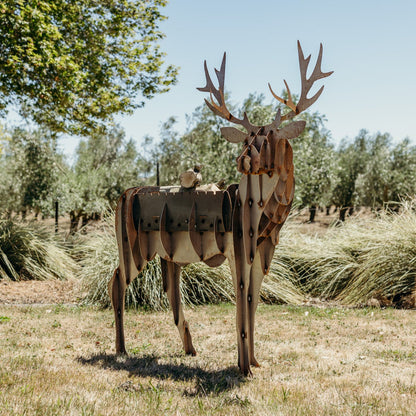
(205, 382)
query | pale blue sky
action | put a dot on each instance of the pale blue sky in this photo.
(371, 46)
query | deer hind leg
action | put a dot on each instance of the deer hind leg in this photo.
(171, 277)
(117, 288)
(129, 266)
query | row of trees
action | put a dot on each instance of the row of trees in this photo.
(369, 170)
(35, 175)
(70, 66)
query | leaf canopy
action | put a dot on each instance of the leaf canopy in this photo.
(70, 65)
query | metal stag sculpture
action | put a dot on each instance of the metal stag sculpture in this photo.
(241, 223)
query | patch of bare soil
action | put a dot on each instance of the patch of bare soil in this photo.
(39, 292)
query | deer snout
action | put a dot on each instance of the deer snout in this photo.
(249, 160)
(244, 162)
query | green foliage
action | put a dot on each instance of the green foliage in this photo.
(402, 182)
(389, 174)
(70, 65)
(351, 161)
(373, 183)
(106, 165)
(29, 167)
(314, 160)
(30, 252)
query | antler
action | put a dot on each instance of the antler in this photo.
(220, 109)
(304, 101)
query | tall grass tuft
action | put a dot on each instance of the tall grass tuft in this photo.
(352, 263)
(200, 284)
(99, 257)
(356, 261)
(29, 251)
(320, 266)
(386, 264)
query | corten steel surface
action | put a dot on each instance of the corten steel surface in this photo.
(241, 223)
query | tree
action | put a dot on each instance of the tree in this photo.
(70, 65)
(106, 165)
(314, 160)
(373, 183)
(351, 162)
(29, 171)
(389, 174)
(403, 171)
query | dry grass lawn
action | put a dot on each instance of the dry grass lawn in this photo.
(59, 360)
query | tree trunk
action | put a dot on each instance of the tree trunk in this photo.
(56, 215)
(74, 220)
(328, 209)
(342, 212)
(84, 220)
(312, 213)
(351, 210)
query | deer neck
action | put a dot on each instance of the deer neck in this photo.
(254, 193)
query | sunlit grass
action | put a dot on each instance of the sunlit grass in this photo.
(314, 361)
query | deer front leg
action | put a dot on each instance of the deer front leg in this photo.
(117, 288)
(256, 279)
(171, 278)
(240, 279)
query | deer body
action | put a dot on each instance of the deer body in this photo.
(241, 224)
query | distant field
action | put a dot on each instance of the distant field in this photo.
(59, 360)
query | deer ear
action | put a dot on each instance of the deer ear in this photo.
(233, 135)
(292, 130)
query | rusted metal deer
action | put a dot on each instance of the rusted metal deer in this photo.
(241, 223)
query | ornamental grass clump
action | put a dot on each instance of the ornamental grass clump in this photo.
(352, 263)
(99, 256)
(356, 261)
(319, 266)
(386, 265)
(200, 284)
(29, 251)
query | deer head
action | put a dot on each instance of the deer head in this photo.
(261, 143)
